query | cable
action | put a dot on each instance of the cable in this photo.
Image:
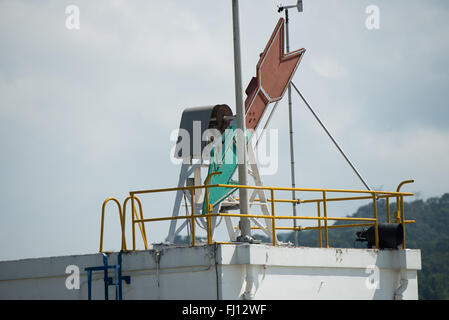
(330, 136)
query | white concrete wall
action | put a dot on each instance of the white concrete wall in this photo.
(312, 273)
(225, 272)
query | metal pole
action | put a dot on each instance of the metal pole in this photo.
(245, 226)
(332, 138)
(292, 152)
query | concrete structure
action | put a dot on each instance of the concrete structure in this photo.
(224, 271)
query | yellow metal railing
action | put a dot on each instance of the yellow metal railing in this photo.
(322, 217)
(122, 216)
(122, 222)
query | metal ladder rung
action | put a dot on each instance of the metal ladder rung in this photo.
(109, 281)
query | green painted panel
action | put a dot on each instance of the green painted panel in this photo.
(226, 166)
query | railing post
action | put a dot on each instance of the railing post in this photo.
(403, 222)
(102, 227)
(123, 218)
(320, 237)
(273, 223)
(209, 224)
(326, 234)
(376, 222)
(398, 210)
(122, 222)
(209, 231)
(133, 207)
(398, 205)
(141, 224)
(208, 210)
(192, 202)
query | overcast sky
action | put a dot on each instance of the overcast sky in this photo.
(87, 114)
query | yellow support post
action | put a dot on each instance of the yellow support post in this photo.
(398, 205)
(320, 236)
(376, 223)
(141, 224)
(273, 224)
(208, 209)
(121, 222)
(133, 208)
(209, 224)
(192, 202)
(403, 222)
(326, 234)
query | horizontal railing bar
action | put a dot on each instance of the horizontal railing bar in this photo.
(344, 199)
(292, 217)
(349, 225)
(172, 189)
(255, 216)
(329, 227)
(277, 228)
(276, 200)
(314, 190)
(317, 228)
(340, 226)
(392, 193)
(321, 200)
(171, 218)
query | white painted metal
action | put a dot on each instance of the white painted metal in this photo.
(254, 173)
(189, 170)
(186, 171)
(235, 271)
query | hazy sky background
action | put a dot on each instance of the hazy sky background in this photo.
(87, 114)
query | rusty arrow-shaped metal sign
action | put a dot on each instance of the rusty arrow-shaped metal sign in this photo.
(274, 71)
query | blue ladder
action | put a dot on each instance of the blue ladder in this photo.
(108, 281)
